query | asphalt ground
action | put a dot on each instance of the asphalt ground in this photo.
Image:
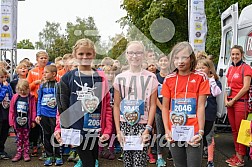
(223, 149)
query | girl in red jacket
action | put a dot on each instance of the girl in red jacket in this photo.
(22, 115)
(83, 101)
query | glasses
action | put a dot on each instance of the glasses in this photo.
(131, 53)
(183, 58)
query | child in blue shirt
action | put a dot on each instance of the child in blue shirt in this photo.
(46, 113)
(5, 97)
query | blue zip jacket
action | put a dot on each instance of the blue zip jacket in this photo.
(47, 99)
(5, 95)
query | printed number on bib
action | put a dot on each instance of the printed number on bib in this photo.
(181, 108)
(93, 122)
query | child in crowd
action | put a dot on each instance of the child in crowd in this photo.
(22, 72)
(152, 67)
(74, 89)
(118, 65)
(22, 118)
(46, 113)
(28, 63)
(107, 61)
(3, 64)
(207, 66)
(184, 96)
(34, 78)
(5, 97)
(164, 66)
(135, 90)
(66, 58)
(59, 63)
(110, 75)
(73, 64)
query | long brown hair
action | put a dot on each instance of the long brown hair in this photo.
(179, 47)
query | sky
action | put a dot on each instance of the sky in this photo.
(33, 14)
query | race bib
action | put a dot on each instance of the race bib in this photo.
(132, 110)
(187, 106)
(159, 90)
(22, 111)
(92, 121)
(49, 100)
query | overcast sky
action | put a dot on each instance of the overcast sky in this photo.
(33, 14)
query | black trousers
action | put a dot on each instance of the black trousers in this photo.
(88, 151)
(34, 134)
(4, 132)
(207, 129)
(48, 125)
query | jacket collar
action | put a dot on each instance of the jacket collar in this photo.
(238, 64)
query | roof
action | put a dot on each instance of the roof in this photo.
(245, 16)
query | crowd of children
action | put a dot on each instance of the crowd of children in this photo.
(140, 100)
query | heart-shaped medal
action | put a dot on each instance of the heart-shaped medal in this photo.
(178, 118)
(131, 117)
(6, 104)
(51, 102)
(90, 103)
(21, 120)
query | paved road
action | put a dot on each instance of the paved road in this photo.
(224, 149)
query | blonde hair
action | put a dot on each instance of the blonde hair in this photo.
(201, 55)
(51, 68)
(3, 72)
(136, 42)
(83, 42)
(108, 69)
(27, 62)
(209, 64)
(21, 65)
(3, 64)
(38, 54)
(23, 86)
(107, 61)
(73, 63)
(67, 56)
(57, 59)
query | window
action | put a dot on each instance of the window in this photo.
(228, 42)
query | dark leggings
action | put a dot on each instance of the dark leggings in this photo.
(88, 154)
(207, 129)
(4, 131)
(34, 134)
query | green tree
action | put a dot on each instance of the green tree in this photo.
(59, 48)
(48, 35)
(142, 13)
(25, 44)
(83, 28)
(117, 47)
(39, 45)
(58, 44)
